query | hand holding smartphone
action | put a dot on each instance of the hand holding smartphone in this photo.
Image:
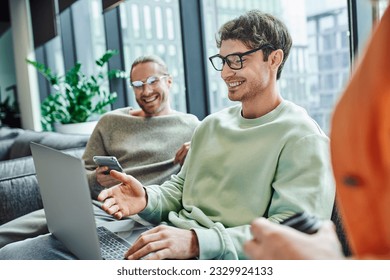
(109, 161)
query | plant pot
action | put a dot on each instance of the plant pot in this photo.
(75, 128)
(11, 121)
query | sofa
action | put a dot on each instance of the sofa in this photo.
(19, 191)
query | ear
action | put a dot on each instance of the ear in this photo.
(275, 59)
(169, 81)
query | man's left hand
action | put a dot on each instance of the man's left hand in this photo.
(181, 154)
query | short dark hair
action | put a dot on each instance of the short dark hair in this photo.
(254, 29)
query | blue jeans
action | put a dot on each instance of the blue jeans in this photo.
(43, 247)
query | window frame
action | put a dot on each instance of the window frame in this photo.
(195, 58)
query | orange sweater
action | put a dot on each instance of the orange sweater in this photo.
(360, 146)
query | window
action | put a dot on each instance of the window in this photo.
(153, 27)
(81, 39)
(314, 75)
(88, 28)
(316, 71)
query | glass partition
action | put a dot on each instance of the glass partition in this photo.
(153, 27)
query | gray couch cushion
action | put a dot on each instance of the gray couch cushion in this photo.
(19, 196)
(7, 138)
(16, 167)
(19, 192)
(21, 146)
(5, 148)
(9, 133)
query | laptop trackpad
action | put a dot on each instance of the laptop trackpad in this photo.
(127, 229)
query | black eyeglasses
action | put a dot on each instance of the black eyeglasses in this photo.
(233, 60)
(152, 81)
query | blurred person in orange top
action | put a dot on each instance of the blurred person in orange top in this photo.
(360, 147)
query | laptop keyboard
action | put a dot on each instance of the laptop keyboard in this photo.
(112, 246)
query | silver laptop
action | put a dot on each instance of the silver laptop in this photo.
(68, 206)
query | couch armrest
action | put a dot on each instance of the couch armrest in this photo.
(5, 147)
(59, 141)
(7, 138)
(19, 190)
(9, 133)
(19, 193)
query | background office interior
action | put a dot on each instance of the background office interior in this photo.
(326, 35)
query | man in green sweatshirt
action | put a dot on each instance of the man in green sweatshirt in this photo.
(262, 158)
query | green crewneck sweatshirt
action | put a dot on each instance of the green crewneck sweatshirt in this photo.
(239, 169)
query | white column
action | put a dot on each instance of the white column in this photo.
(26, 75)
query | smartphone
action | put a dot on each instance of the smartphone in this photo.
(303, 222)
(110, 161)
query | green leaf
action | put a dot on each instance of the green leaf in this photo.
(106, 57)
(46, 72)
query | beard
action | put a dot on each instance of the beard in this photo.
(244, 92)
(155, 107)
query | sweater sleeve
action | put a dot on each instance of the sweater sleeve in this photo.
(220, 243)
(215, 242)
(163, 199)
(303, 180)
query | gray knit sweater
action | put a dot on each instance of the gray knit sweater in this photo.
(145, 147)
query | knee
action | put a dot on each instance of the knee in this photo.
(11, 252)
(29, 249)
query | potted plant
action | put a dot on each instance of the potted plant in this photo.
(77, 98)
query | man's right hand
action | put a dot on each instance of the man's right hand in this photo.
(125, 199)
